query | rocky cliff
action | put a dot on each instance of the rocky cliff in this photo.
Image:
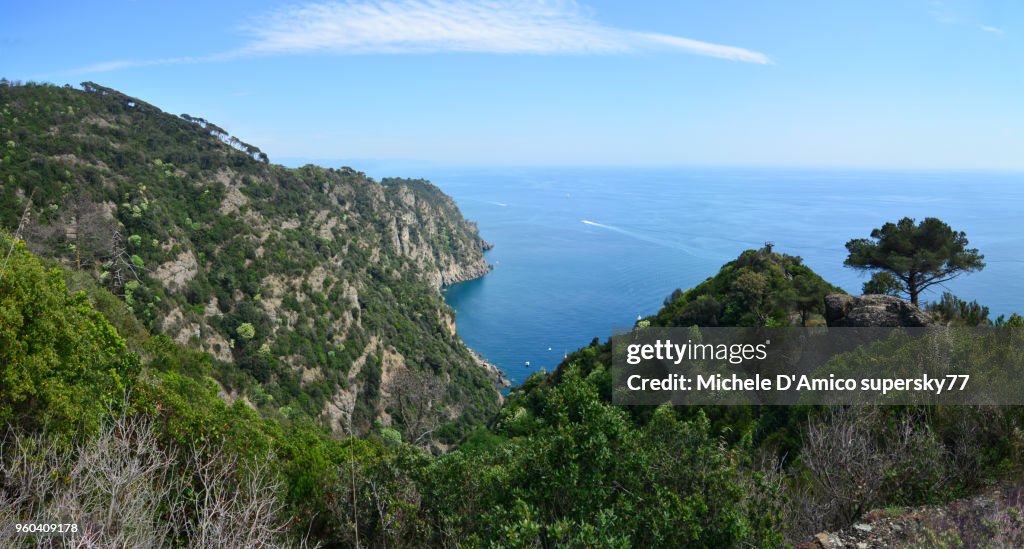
(872, 310)
(424, 233)
(313, 286)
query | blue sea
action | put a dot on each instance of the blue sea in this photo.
(580, 252)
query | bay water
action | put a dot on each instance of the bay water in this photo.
(582, 251)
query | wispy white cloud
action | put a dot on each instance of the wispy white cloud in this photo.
(950, 12)
(494, 26)
(649, 40)
(993, 30)
(107, 66)
(434, 26)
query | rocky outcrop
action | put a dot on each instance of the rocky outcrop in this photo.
(233, 197)
(175, 274)
(428, 229)
(873, 310)
(983, 520)
(456, 273)
(493, 371)
(443, 268)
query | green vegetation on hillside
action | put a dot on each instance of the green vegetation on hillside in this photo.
(315, 286)
(759, 288)
(184, 317)
(891, 456)
(560, 466)
(573, 472)
(63, 364)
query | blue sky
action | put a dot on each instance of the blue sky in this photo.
(898, 84)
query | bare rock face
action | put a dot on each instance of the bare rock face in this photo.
(873, 311)
(174, 275)
(455, 273)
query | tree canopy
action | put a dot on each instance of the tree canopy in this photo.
(919, 255)
(759, 288)
(62, 364)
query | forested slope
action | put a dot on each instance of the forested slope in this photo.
(318, 288)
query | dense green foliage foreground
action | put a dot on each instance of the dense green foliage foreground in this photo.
(559, 467)
(566, 469)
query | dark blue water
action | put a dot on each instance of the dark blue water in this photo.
(579, 252)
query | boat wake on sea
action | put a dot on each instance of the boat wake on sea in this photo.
(645, 238)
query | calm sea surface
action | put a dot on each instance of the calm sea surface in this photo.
(579, 252)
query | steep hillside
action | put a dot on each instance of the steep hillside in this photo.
(317, 288)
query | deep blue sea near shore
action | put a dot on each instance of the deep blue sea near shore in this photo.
(579, 252)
